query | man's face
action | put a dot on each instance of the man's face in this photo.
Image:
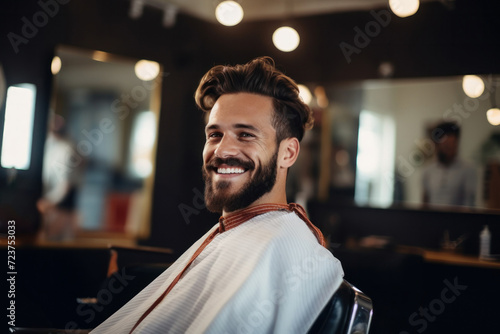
(447, 149)
(240, 154)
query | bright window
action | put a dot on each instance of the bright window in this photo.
(18, 126)
(143, 139)
(375, 160)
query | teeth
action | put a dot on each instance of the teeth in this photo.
(230, 170)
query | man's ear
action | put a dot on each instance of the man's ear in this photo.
(289, 151)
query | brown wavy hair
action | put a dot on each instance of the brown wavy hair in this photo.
(291, 118)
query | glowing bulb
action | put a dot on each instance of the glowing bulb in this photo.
(229, 13)
(404, 8)
(493, 116)
(147, 70)
(305, 94)
(55, 67)
(473, 85)
(286, 39)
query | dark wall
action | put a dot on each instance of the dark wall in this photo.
(437, 41)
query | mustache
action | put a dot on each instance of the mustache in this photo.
(214, 163)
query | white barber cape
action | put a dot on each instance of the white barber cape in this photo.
(267, 275)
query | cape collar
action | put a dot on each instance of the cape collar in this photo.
(234, 219)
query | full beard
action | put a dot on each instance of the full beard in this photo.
(217, 199)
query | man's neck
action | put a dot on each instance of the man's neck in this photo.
(262, 200)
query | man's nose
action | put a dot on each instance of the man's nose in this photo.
(227, 147)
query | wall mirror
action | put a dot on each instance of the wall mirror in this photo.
(380, 141)
(100, 151)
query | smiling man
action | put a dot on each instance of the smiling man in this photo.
(263, 268)
(241, 154)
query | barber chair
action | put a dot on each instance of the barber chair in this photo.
(349, 311)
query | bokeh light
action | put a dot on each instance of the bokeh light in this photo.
(473, 85)
(286, 39)
(229, 13)
(404, 8)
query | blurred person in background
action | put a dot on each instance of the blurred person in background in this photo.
(59, 178)
(448, 180)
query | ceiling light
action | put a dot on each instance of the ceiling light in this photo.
(229, 13)
(473, 85)
(55, 67)
(493, 116)
(404, 8)
(147, 70)
(386, 69)
(286, 39)
(305, 94)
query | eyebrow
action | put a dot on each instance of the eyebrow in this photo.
(236, 126)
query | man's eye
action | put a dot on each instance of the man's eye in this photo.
(214, 135)
(246, 134)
